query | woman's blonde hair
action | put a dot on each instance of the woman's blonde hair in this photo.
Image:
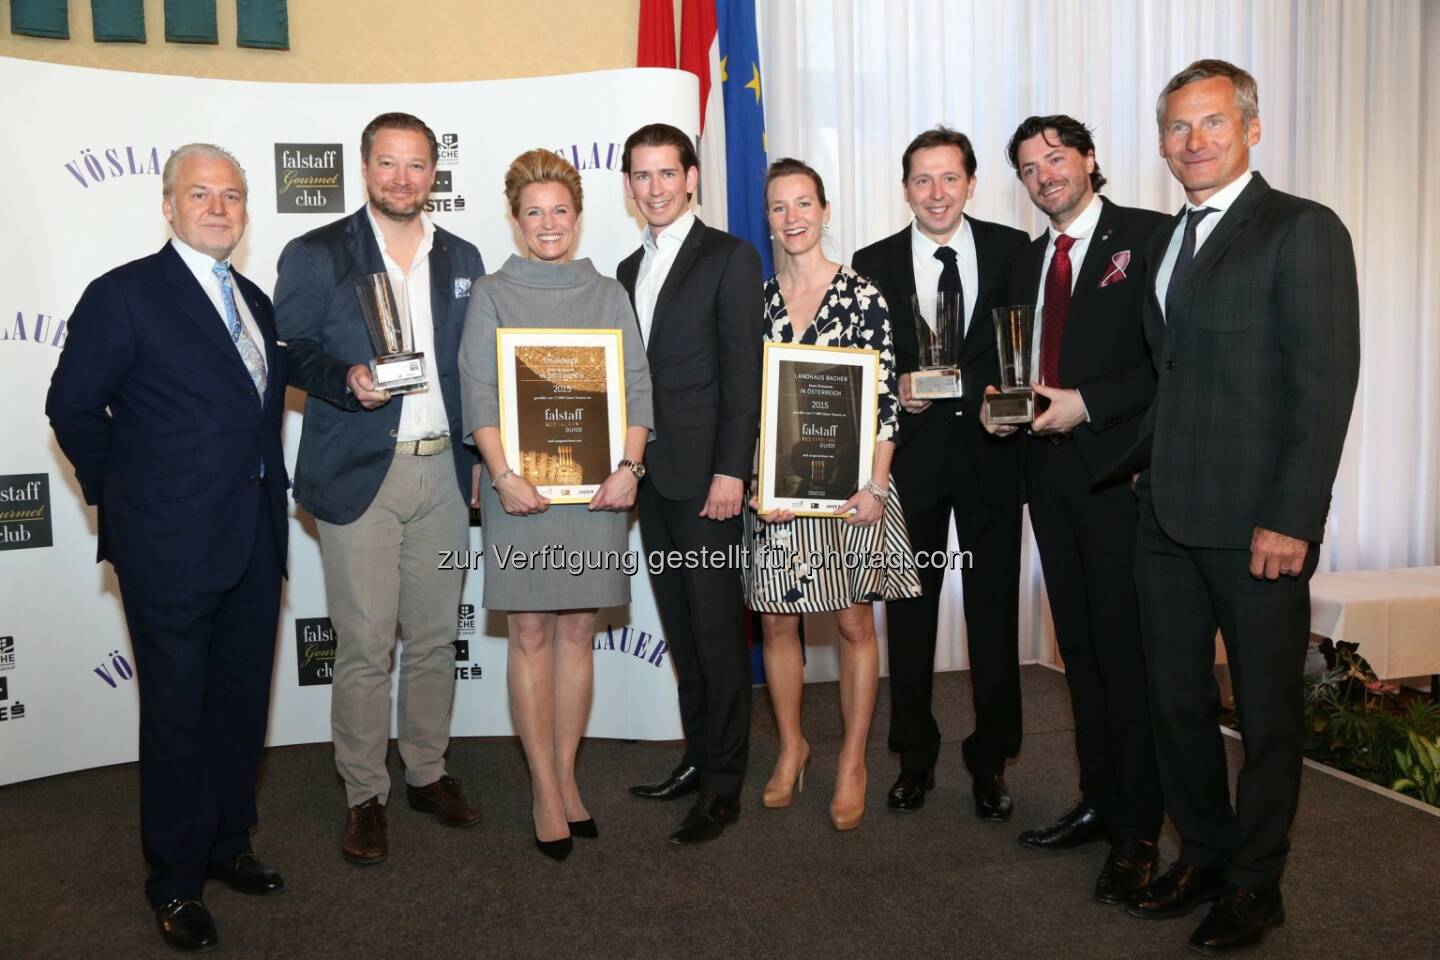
(541, 166)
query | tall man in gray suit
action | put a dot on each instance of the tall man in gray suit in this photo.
(387, 480)
(698, 298)
(1253, 322)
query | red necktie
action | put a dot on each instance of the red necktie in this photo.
(1057, 308)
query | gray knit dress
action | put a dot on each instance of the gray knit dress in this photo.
(533, 293)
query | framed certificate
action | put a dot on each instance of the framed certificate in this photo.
(817, 426)
(562, 408)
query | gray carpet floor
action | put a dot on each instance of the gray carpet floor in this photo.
(935, 884)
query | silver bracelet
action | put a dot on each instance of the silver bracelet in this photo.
(876, 491)
(494, 483)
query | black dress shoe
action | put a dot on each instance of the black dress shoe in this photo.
(585, 829)
(992, 798)
(1240, 918)
(555, 849)
(706, 820)
(247, 873)
(186, 925)
(1079, 825)
(1177, 893)
(1127, 871)
(908, 793)
(683, 779)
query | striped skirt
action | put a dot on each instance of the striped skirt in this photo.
(817, 564)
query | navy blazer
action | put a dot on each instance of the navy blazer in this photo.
(345, 450)
(154, 407)
(704, 350)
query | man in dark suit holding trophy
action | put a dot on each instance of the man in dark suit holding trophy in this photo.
(946, 466)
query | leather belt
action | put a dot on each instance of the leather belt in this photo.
(1054, 438)
(427, 447)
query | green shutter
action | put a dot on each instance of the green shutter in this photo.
(190, 21)
(263, 23)
(118, 21)
(40, 18)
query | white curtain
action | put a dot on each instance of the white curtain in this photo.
(1350, 114)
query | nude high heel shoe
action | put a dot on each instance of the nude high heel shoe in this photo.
(780, 795)
(845, 814)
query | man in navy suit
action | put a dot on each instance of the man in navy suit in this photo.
(167, 399)
(387, 480)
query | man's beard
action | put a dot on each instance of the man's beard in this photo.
(383, 204)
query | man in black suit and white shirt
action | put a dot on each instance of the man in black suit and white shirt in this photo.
(945, 465)
(698, 298)
(1253, 323)
(1087, 275)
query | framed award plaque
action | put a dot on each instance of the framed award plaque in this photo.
(817, 426)
(562, 407)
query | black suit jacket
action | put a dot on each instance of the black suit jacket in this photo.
(704, 352)
(345, 450)
(153, 405)
(997, 460)
(1258, 363)
(1103, 353)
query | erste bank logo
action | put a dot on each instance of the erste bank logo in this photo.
(315, 651)
(309, 178)
(25, 511)
(443, 198)
(465, 630)
(9, 710)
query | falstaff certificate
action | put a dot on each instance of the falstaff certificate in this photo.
(562, 408)
(817, 426)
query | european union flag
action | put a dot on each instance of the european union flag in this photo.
(745, 160)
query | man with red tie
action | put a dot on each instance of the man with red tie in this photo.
(1088, 278)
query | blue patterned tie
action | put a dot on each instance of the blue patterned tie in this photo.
(249, 352)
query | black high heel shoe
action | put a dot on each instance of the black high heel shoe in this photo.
(585, 829)
(555, 849)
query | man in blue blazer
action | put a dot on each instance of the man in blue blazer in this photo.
(387, 480)
(167, 399)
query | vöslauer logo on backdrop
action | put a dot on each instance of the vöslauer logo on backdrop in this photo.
(25, 511)
(315, 651)
(640, 644)
(94, 167)
(40, 329)
(309, 178)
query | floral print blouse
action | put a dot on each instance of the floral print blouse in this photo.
(852, 314)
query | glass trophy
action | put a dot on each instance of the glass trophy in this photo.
(397, 367)
(939, 326)
(1014, 339)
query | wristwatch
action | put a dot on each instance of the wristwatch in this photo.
(635, 467)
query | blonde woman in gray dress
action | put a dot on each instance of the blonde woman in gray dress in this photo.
(551, 611)
(813, 300)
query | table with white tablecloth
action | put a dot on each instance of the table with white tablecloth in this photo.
(1394, 615)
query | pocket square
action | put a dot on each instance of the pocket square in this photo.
(462, 288)
(1116, 271)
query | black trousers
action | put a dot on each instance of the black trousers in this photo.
(992, 614)
(702, 612)
(1087, 545)
(1185, 594)
(203, 661)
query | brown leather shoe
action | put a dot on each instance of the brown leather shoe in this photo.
(445, 800)
(365, 833)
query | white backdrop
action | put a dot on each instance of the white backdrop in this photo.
(1348, 107)
(81, 157)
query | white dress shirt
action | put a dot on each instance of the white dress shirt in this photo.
(1080, 230)
(202, 265)
(927, 269)
(1220, 202)
(655, 266)
(422, 414)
